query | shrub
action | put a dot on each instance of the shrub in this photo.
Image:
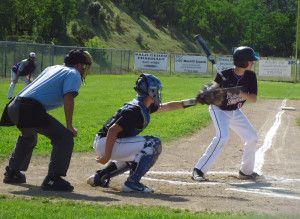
(139, 39)
(117, 20)
(94, 8)
(102, 13)
(74, 29)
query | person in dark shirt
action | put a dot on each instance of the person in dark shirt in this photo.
(230, 116)
(22, 70)
(118, 141)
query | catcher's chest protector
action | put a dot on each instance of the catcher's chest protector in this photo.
(130, 105)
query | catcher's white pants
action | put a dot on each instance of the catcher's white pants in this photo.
(125, 149)
(13, 85)
(238, 122)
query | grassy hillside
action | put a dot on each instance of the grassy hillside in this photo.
(154, 39)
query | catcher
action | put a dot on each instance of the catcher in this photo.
(117, 140)
(226, 113)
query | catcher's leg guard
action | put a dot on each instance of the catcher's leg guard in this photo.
(102, 177)
(144, 161)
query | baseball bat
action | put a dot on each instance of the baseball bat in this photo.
(201, 44)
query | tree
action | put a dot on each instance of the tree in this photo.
(93, 10)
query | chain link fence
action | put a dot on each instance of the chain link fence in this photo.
(107, 61)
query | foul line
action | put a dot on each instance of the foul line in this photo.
(255, 191)
(260, 154)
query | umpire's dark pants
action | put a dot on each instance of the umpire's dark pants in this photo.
(61, 140)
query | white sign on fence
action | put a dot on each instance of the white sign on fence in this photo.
(274, 68)
(224, 63)
(193, 64)
(150, 61)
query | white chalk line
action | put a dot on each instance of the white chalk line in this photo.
(274, 195)
(174, 173)
(261, 190)
(260, 153)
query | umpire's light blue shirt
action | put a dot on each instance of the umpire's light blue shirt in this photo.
(52, 84)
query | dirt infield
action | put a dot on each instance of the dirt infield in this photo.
(276, 193)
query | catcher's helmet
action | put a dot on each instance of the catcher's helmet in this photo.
(148, 84)
(242, 55)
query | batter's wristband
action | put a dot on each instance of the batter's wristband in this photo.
(188, 103)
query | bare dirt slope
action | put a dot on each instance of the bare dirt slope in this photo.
(277, 193)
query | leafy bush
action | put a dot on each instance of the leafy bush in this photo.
(83, 34)
(94, 11)
(74, 29)
(117, 20)
(139, 39)
(101, 57)
(94, 8)
(102, 13)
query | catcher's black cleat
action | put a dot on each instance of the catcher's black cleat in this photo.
(252, 176)
(13, 176)
(136, 187)
(56, 183)
(100, 178)
(198, 175)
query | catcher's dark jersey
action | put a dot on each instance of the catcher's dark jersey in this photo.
(133, 117)
(248, 80)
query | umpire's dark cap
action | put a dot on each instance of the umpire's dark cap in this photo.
(76, 56)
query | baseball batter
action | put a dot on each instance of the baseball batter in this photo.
(229, 115)
(117, 140)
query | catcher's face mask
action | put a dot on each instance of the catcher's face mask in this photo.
(86, 66)
(76, 56)
(148, 84)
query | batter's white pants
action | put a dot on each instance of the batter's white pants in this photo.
(238, 122)
(13, 85)
(124, 150)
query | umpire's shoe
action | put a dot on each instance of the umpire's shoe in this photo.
(56, 183)
(135, 187)
(13, 176)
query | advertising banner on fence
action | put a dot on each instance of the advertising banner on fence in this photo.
(150, 61)
(274, 68)
(224, 63)
(194, 64)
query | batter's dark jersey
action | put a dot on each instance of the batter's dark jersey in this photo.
(248, 81)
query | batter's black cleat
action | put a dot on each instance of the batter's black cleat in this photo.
(252, 176)
(56, 183)
(13, 176)
(198, 175)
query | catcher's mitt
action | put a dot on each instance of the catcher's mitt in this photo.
(211, 93)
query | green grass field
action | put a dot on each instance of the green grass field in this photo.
(97, 101)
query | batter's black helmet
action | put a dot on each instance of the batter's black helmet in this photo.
(242, 55)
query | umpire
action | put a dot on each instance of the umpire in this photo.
(55, 86)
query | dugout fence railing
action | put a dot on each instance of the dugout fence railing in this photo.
(109, 61)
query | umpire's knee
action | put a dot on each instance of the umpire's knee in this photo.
(65, 140)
